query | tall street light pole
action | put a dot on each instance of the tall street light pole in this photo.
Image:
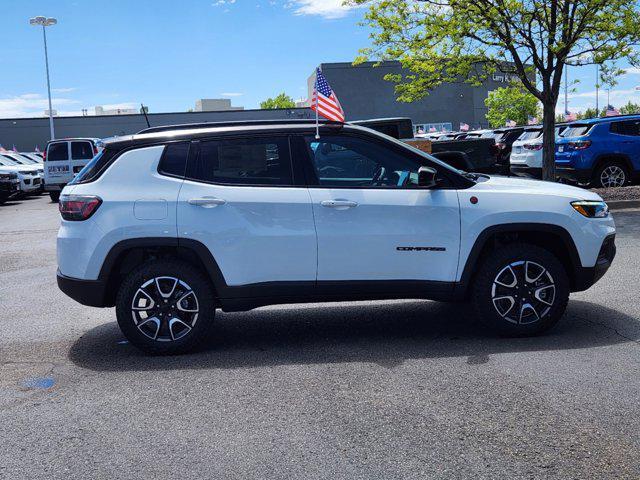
(46, 22)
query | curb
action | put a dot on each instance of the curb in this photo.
(622, 204)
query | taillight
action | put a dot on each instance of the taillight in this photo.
(580, 145)
(500, 146)
(95, 150)
(44, 155)
(532, 146)
(78, 207)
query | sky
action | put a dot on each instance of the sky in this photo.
(167, 54)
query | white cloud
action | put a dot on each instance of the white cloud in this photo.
(31, 105)
(231, 94)
(323, 8)
(64, 90)
(632, 71)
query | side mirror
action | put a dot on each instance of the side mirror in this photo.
(427, 177)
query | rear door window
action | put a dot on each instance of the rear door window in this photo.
(81, 150)
(530, 134)
(58, 152)
(251, 161)
(629, 127)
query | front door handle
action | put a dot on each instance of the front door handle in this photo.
(339, 204)
(207, 202)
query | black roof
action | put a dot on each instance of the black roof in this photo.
(192, 131)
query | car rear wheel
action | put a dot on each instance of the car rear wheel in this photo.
(165, 307)
(55, 196)
(611, 174)
(520, 290)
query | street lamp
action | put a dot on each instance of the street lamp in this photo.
(46, 22)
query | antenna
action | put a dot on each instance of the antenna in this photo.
(143, 110)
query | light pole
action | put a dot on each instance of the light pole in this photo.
(46, 22)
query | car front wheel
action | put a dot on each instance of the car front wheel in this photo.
(165, 307)
(520, 289)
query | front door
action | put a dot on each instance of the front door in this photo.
(372, 219)
(240, 201)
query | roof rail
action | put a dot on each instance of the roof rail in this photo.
(234, 123)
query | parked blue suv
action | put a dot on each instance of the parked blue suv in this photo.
(603, 152)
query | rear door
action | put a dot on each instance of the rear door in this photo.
(241, 201)
(57, 168)
(81, 152)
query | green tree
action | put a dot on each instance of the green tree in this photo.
(511, 103)
(281, 101)
(630, 108)
(441, 41)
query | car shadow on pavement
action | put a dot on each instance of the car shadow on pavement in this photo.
(385, 333)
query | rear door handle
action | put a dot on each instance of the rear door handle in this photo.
(340, 204)
(207, 202)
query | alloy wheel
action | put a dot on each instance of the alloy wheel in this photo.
(165, 309)
(613, 176)
(523, 292)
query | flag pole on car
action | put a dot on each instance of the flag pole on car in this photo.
(325, 102)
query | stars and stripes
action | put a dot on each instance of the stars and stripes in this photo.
(464, 127)
(611, 111)
(570, 116)
(324, 100)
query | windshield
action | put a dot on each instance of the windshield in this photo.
(7, 162)
(576, 131)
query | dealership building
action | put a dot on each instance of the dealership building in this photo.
(362, 90)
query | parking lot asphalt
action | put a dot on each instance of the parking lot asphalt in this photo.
(393, 389)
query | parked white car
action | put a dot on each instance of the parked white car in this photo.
(30, 180)
(33, 156)
(171, 225)
(526, 152)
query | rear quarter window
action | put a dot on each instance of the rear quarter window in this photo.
(174, 159)
(576, 131)
(57, 152)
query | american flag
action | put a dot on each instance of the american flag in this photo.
(511, 123)
(531, 120)
(324, 100)
(611, 112)
(570, 116)
(464, 127)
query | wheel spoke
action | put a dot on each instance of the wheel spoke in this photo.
(182, 303)
(142, 301)
(497, 301)
(148, 323)
(528, 277)
(527, 307)
(172, 282)
(549, 294)
(514, 281)
(178, 326)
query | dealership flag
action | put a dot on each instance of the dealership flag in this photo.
(570, 116)
(464, 127)
(324, 100)
(511, 123)
(531, 120)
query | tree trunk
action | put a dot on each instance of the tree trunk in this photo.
(549, 141)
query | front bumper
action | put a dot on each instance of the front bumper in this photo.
(574, 175)
(86, 292)
(588, 276)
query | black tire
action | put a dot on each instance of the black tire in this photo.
(534, 316)
(618, 167)
(55, 196)
(158, 320)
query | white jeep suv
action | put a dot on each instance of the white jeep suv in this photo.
(174, 222)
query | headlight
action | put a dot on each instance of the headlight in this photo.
(591, 208)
